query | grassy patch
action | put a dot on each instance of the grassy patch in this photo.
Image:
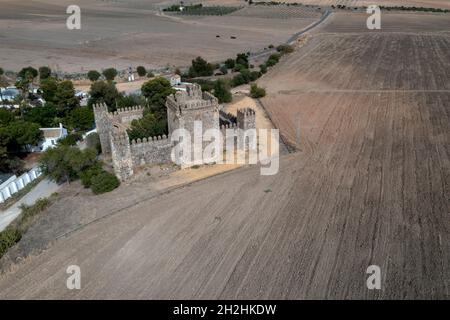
(13, 233)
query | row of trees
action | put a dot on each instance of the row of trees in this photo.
(111, 73)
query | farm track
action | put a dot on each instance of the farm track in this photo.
(369, 186)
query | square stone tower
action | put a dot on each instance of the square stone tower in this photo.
(184, 108)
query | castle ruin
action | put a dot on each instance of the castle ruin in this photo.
(183, 109)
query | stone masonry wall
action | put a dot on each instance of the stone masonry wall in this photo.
(151, 150)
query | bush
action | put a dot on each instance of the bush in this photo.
(285, 48)
(141, 71)
(93, 142)
(263, 68)
(237, 80)
(257, 92)
(93, 75)
(150, 75)
(229, 63)
(13, 233)
(8, 238)
(87, 175)
(222, 91)
(254, 75)
(104, 182)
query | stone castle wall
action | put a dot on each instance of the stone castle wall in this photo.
(183, 109)
(151, 150)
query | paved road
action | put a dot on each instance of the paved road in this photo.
(43, 189)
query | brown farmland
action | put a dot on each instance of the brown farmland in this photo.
(370, 115)
(129, 33)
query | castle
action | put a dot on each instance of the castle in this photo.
(183, 108)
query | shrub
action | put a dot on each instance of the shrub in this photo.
(285, 48)
(141, 71)
(150, 75)
(263, 68)
(257, 92)
(254, 75)
(237, 80)
(93, 142)
(229, 63)
(8, 238)
(87, 175)
(104, 182)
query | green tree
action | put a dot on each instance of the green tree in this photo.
(141, 71)
(130, 101)
(1, 71)
(23, 134)
(148, 126)
(156, 92)
(110, 74)
(200, 68)
(93, 75)
(28, 72)
(48, 88)
(45, 116)
(106, 92)
(65, 97)
(242, 59)
(44, 72)
(81, 118)
(222, 91)
(65, 163)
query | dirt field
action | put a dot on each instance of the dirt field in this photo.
(355, 3)
(369, 185)
(127, 33)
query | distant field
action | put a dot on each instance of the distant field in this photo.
(128, 33)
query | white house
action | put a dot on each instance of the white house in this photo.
(8, 93)
(51, 137)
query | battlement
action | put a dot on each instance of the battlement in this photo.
(150, 139)
(133, 109)
(228, 126)
(246, 112)
(193, 98)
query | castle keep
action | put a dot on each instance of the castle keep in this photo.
(183, 108)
